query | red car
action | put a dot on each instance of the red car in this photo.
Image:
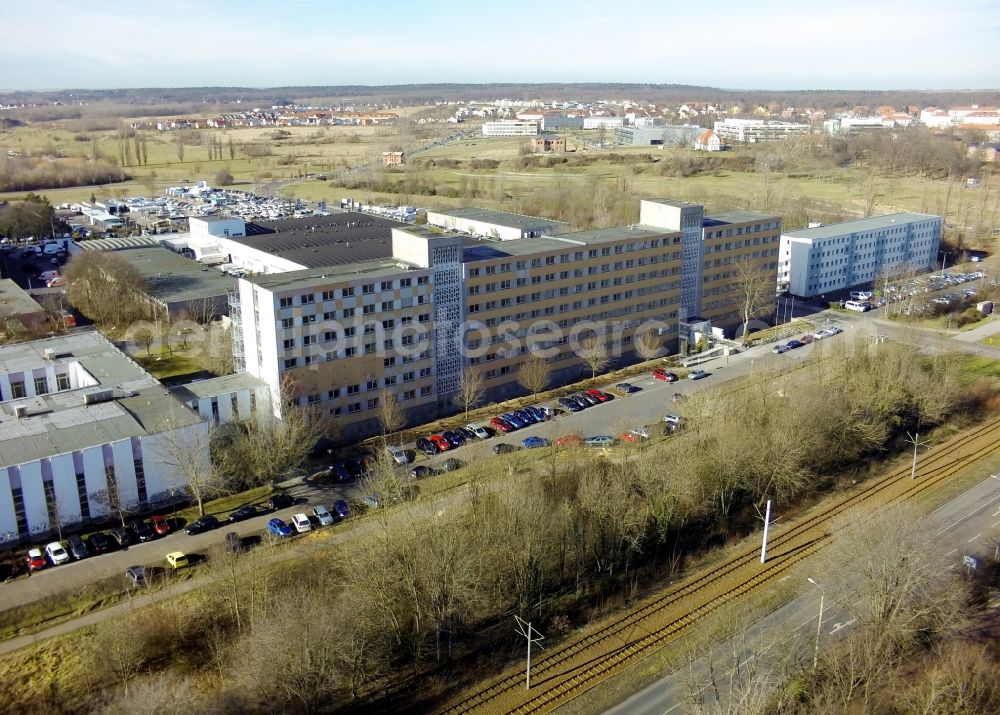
(629, 437)
(500, 425)
(599, 395)
(160, 525)
(34, 560)
(440, 442)
(661, 374)
(569, 440)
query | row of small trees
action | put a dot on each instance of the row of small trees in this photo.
(429, 581)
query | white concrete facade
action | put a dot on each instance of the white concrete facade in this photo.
(510, 128)
(757, 131)
(815, 261)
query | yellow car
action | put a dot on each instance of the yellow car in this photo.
(177, 559)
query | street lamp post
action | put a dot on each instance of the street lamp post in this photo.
(819, 626)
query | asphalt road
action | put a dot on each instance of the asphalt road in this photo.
(969, 525)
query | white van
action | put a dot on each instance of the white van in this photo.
(855, 305)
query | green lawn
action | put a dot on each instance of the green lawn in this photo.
(162, 365)
(974, 367)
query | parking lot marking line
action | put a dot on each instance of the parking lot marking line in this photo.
(975, 537)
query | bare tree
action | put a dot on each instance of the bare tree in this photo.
(648, 344)
(106, 288)
(755, 286)
(390, 413)
(594, 352)
(471, 389)
(186, 451)
(534, 374)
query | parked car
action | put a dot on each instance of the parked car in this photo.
(277, 527)
(547, 410)
(779, 349)
(526, 417)
(341, 509)
(569, 440)
(136, 575)
(599, 395)
(234, 544)
(121, 536)
(478, 430)
(57, 553)
(513, 420)
(589, 400)
(636, 434)
(77, 548)
(426, 446)
(34, 560)
(806, 339)
(569, 404)
(468, 434)
(453, 438)
(301, 523)
(600, 440)
(247, 511)
(99, 542)
(673, 419)
(534, 442)
(177, 559)
(792, 345)
(201, 525)
(501, 425)
(503, 448)
(665, 375)
(440, 442)
(451, 464)
(697, 374)
(626, 388)
(397, 454)
(354, 468)
(160, 525)
(142, 530)
(536, 413)
(372, 501)
(280, 500)
(339, 471)
(420, 471)
(323, 515)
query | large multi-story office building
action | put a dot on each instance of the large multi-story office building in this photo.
(510, 128)
(757, 131)
(818, 260)
(84, 430)
(445, 302)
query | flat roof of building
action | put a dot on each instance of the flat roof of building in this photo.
(318, 277)
(172, 278)
(486, 249)
(116, 244)
(59, 422)
(672, 202)
(731, 217)
(861, 225)
(218, 386)
(502, 218)
(318, 241)
(14, 300)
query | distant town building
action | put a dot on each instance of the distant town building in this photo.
(670, 135)
(598, 122)
(495, 224)
(757, 131)
(393, 158)
(548, 142)
(561, 122)
(510, 128)
(709, 140)
(818, 260)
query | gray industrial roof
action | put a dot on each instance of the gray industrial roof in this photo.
(60, 422)
(216, 386)
(501, 218)
(318, 277)
(172, 278)
(737, 217)
(487, 249)
(318, 241)
(14, 300)
(860, 225)
(116, 244)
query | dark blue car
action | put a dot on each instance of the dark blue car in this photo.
(277, 527)
(514, 421)
(536, 413)
(525, 416)
(570, 404)
(533, 442)
(341, 508)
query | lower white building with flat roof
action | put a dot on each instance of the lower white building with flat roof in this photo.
(84, 430)
(819, 260)
(510, 128)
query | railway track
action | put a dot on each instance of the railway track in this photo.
(579, 665)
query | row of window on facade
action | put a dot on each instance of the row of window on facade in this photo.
(329, 316)
(347, 292)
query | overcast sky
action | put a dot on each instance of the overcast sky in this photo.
(765, 44)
